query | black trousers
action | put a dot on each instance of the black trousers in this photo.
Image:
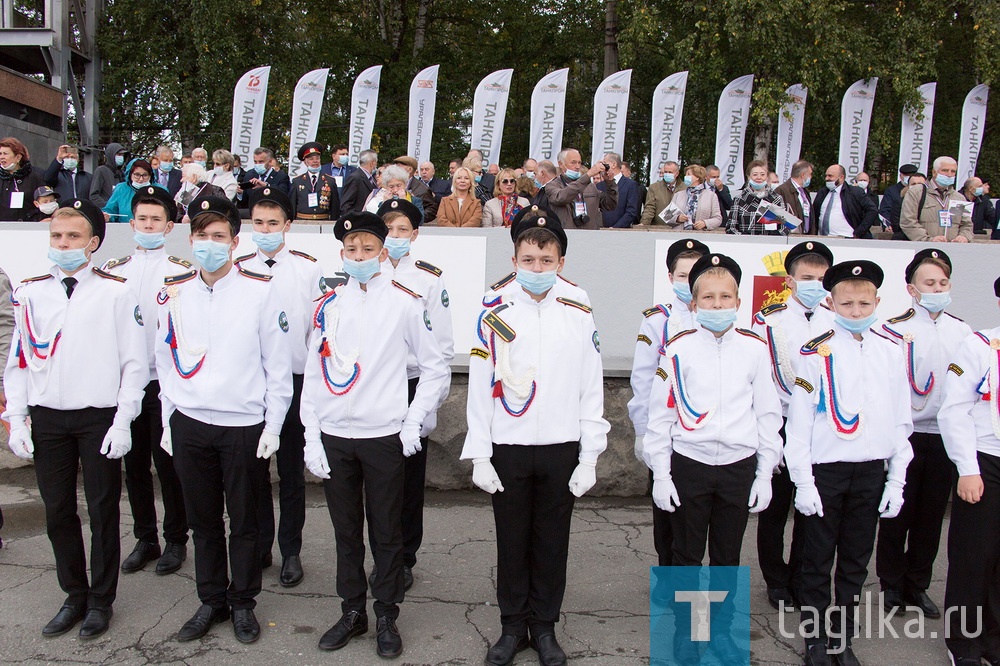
(771, 524)
(533, 516)
(367, 474)
(908, 543)
(663, 537)
(64, 441)
(291, 484)
(147, 431)
(221, 475)
(850, 493)
(973, 563)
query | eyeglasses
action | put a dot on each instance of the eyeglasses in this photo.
(508, 181)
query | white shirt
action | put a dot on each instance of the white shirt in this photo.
(298, 279)
(238, 329)
(96, 354)
(970, 393)
(145, 271)
(786, 329)
(727, 379)
(554, 361)
(368, 336)
(839, 226)
(932, 347)
(869, 379)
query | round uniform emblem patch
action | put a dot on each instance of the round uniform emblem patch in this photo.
(427, 321)
(283, 322)
(856, 270)
(445, 301)
(322, 285)
(597, 342)
(138, 315)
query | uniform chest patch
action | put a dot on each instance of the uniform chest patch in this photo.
(597, 342)
(445, 301)
(283, 322)
(138, 315)
(427, 321)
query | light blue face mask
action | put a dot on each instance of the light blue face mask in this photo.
(978, 192)
(119, 160)
(313, 169)
(70, 165)
(397, 247)
(479, 177)
(148, 241)
(717, 320)
(806, 182)
(831, 185)
(138, 186)
(757, 186)
(572, 175)
(688, 180)
(166, 167)
(68, 260)
(201, 163)
(362, 271)
(259, 168)
(536, 283)
(210, 255)
(810, 293)
(343, 160)
(683, 291)
(944, 181)
(668, 178)
(935, 302)
(856, 325)
(268, 242)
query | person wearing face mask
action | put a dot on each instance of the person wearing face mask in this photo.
(536, 429)
(298, 280)
(46, 202)
(847, 450)
(221, 175)
(892, 200)
(262, 174)
(164, 173)
(360, 184)
(660, 323)
(67, 176)
(842, 210)
(931, 213)
(403, 221)
(194, 184)
(745, 215)
(221, 327)
(119, 206)
(928, 335)
(712, 439)
(786, 327)
(661, 193)
(698, 203)
(79, 324)
(18, 180)
(109, 174)
(340, 167)
(145, 269)
(794, 193)
(984, 215)
(626, 212)
(863, 182)
(199, 156)
(314, 194)
(574, 195)
(358, 426)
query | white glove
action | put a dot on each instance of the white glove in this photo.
(583, 479)
(410, 437)
(429, 424)
(315, 458)
(166, 443)
(268, 444)
(665, 494)
(760, 494)
(116, 443)
(638, 448)
(484, 476)
(807, 500)
(19, 440)
(892, 500)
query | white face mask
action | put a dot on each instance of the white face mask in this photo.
(49, 208)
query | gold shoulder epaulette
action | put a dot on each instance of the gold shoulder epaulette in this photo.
(750, 334)
(575, 304)
(177, 279)
(254, 276)
(406, 289)
(430, 268)
(500, 284)
(903, 317)
(817, 341)
(651, 312)
(297, 253)
(36, 278)
(680, 335)
(106, 275)
(773, 307)
(180, 262)
(112, 263)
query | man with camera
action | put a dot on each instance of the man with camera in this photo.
(574, 196)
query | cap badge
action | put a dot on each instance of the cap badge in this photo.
(205, 205)
(77, 204)
(394, 204)
(809, 246)
(934, 254)
(267, 192)
(347, 224)
(150, 190)
(690, 244)
(715, 261)
(856, 270)
(541, 222)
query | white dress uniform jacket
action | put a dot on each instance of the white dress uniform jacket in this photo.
(84, 351)
(542, 360)
(426, 280)
(713, 401)
(298, 280)
(969, 416)
(868, 382)
(235, 334)
(355, 382)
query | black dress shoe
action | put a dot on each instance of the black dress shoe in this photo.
(143, 553)
(95, 622)
(245, 625)
(351, 624)
(388, 644)
(291, 571)
(846, 658)
(65, 619)
(502, 652)
(549, 652)
(173, 556)
(407, 577)
(780, 598)
(893, 598)
(924, 603)
(201, 622)
(266, 560)
(816, 655)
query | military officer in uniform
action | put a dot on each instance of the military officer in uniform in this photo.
(314, 195)
(298, 280)
(223, 359)
(153, 213)
(78, 368)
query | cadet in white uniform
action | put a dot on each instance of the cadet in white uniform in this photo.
(298, 280)
(712, 439)
(153, 213)
(358, 425)
(848, 416)
(658, 325)
(536, 429)
(970, 426)
(78, 368)
(929, 337)
(223, 361)
(786, 327)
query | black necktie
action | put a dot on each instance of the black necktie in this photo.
(312, 180)
(270, 262)
(809, 316)
(70, 284)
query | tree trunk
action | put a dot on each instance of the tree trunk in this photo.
(762, 141)
(610, 37)
(420, 29)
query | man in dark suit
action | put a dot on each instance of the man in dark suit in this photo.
(340, 168)
(262, 175)
(66, 175)
(795, 195)
(715, 182)
(626, 213)
(841, 209)
(892, 200)
(359, 184)
(165, 175)
(239, 173)
(627, 172)
(439, 186)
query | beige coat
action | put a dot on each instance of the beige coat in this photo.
(708, 210)
(927, 226)
(470, 215)
(658, 197)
